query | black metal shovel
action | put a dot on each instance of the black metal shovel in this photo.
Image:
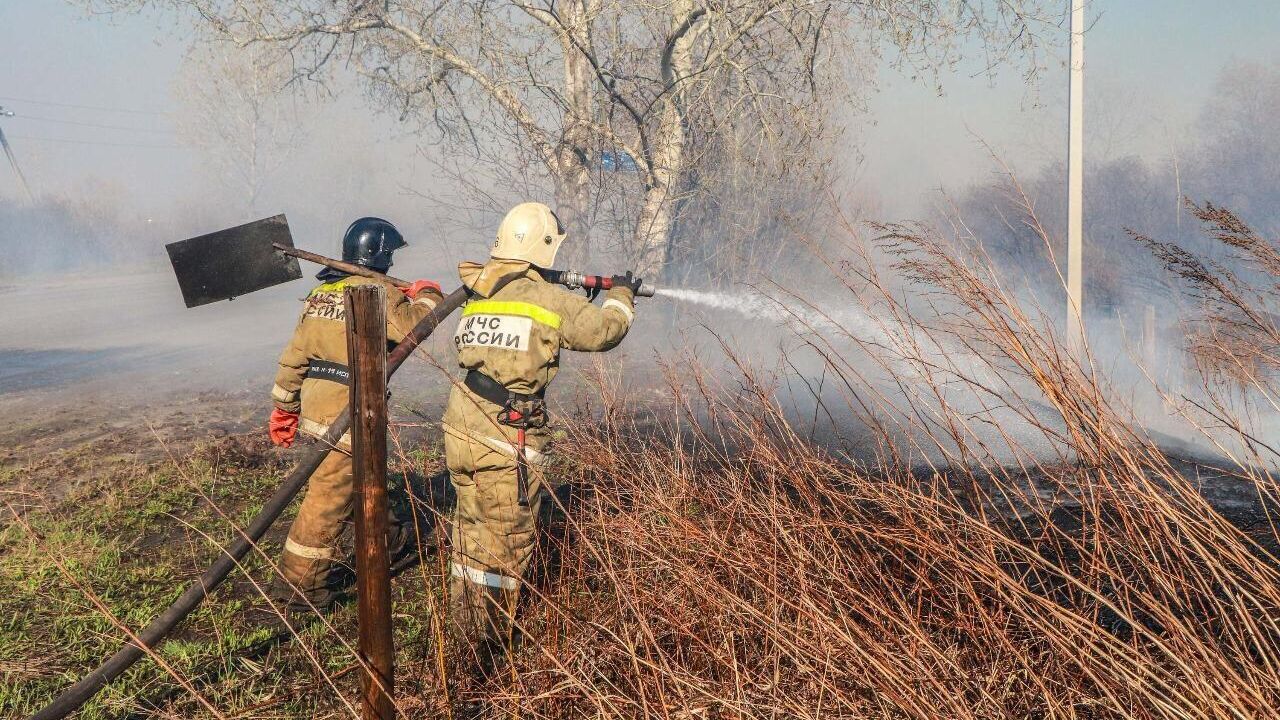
(226, 264)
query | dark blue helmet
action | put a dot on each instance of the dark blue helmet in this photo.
(368, 242)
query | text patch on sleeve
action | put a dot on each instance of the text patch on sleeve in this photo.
(506, 332)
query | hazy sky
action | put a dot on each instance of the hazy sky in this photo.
(1150, 64)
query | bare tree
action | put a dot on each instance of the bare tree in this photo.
(1239, 133)
(552, 91)
(236, 111)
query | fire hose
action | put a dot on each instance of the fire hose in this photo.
(78, 694)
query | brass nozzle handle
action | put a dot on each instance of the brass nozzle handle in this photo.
(573, 279)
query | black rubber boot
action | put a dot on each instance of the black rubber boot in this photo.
(300, 605)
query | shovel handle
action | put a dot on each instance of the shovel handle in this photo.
(346, 267)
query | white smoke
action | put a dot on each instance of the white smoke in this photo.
(754, 304)
(891, 341)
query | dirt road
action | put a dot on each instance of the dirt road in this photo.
(114, 365)
(130, 330)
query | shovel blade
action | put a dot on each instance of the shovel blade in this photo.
(233, 262)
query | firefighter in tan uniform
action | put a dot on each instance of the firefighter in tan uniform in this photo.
(509, 341)
(311, 390)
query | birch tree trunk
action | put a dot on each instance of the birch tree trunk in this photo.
(572, 172)
(654, 225)
(653, 228)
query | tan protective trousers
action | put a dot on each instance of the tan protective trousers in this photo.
(312, 547)
(493, 534)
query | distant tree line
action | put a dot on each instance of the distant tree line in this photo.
(1232, 161)
(58, 233)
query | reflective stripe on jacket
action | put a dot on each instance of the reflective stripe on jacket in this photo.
(517, 323)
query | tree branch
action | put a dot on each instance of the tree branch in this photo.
(644, 159)
(505, 99)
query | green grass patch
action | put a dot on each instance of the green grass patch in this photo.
(134, 538)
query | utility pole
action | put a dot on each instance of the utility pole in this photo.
(1075, 184)
(367, 353)
(13, 161)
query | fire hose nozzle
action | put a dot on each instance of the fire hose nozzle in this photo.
(574, 280)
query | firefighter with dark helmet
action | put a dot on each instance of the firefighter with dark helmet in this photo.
(509, 339)
(311, 390)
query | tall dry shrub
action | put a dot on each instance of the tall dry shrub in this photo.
(1234, 336)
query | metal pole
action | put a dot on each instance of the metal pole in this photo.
(1149, 337)
(13, 161)
(367, 350)
(1075, 183)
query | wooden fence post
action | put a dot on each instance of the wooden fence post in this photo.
(367, 354)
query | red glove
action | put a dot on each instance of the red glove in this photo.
(283, 427)
(418, 286)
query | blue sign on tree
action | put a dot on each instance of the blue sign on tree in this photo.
(618, 161)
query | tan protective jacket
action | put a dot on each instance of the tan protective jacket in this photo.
(313, 375)
(516, 324)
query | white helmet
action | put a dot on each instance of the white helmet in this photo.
(530, 232)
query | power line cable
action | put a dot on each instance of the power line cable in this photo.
(83, 107)
(95, 142)
(94, 125)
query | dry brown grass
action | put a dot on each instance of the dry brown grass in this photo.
(723, 565)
